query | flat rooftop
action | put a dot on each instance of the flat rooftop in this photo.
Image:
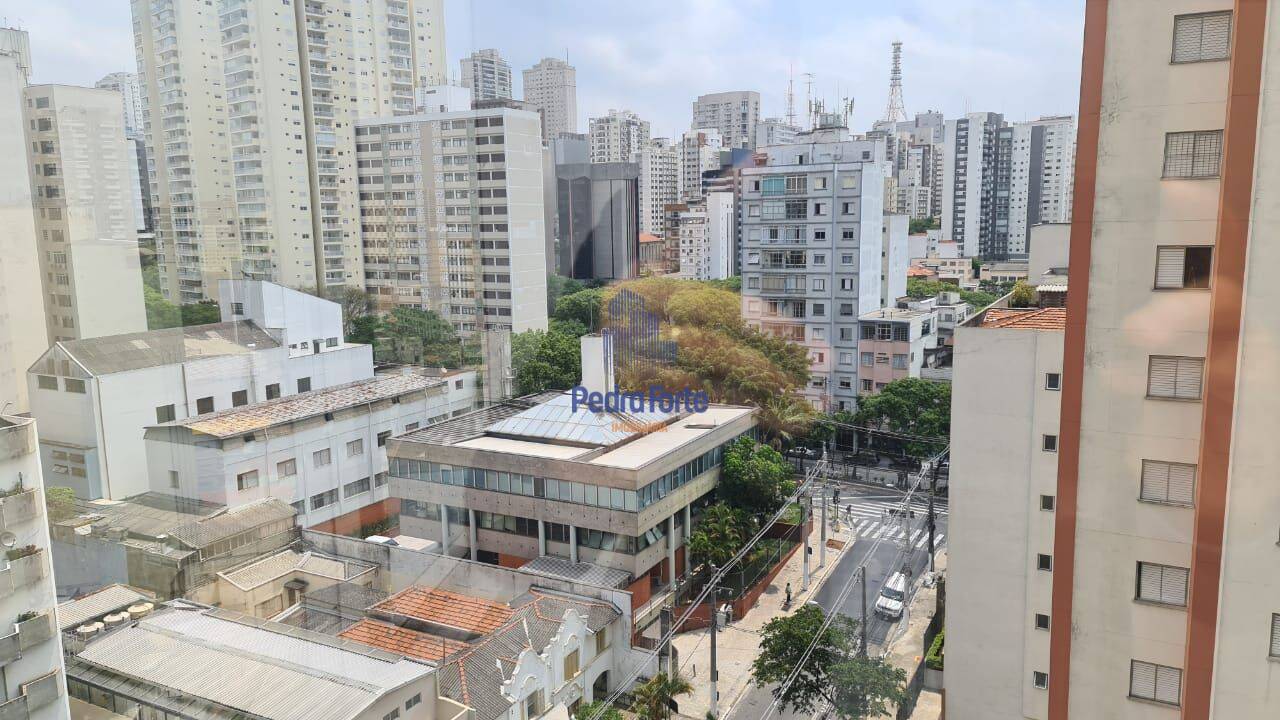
(893, 314)
(284, 562)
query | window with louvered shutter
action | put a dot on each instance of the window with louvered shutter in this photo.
(1179, 378)
(1206, 36)
(1164, 584)
(1169, 266)
(1275, 635)
(1150, 681)
(1167, 482)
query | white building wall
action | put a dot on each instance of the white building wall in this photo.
(617, 137)
(487, 75)
(699, 153)
(659, 183)
(735, 114)
(894, 259)
(551, 88)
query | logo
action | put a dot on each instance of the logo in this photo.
(637, 333)
(657, 399)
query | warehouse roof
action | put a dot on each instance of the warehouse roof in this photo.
(133, 351)
(232, 521)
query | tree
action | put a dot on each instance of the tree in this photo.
(422, 336)
(201, 313)
(590, 710)
(558, 286)
(783, 641)
(719, 534)
(1022, 295)
(545, 360)
(60, 503)
(356, 304)
(754, 478)
(919, 225)
(866, 687)
(160, 312)
(364, 330)
(732, 284)
(584, 306)
(653, 700)
(910, 406)
(706, 307)
(921, 289)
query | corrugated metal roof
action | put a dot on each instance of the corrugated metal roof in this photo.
(588, 573)
(232, 521)
(132, 351)
(263, 415)
(147, 515)
(109, 599)
(268, 669)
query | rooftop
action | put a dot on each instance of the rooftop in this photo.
(232, 521)
(149, 515)
(402, 641)
(894, 314)
(260, 572)
(104, 601)
(588, 573)
(263, 415)
(134, 351)
(447, 609)
(211, 660)
(1052, 318)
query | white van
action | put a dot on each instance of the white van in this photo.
(892, 597)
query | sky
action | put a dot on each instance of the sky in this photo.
(1018, 57)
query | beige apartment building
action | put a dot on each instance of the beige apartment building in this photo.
(1164, 601)
(86, 233)
(255, 164)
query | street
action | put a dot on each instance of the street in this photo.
(901, 541)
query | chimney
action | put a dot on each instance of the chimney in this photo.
(597, 363)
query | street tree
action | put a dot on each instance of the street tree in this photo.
(720, 534)
(584, 306)
(653, 700)
(910, 406)
(866, 687)
(754, 478)
(783, 641)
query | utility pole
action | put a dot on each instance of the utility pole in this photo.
(933, 488)
(664, 652)
(822, 547)
(862, 626)
(711, 599)
(806, 514)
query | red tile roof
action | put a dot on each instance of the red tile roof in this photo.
(648, 238)
(402, 641)
(447, 608)
(918, 271)
(1053, 318)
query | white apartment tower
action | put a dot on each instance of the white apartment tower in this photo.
(551, 88)
(487, 75)
(774, 131)
(617, 137)
(811, 225)
(23, 333)
(452, 216)
(80, 163)
(1041, 168)
(735, 114)
(126, 83)
(968, 182)
(705, 234)
(659, 162)
(699, 153)
(253, 151)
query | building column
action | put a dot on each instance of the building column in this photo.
(688, 527)
(444, 529)
(573, 543)
(671, 548)
(471, 534)
(542, 538)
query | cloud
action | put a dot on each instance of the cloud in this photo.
(76, 42)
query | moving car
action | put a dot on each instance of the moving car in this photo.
(892, 597)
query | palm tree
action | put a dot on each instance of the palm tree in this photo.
(783, 417)
(653, 699)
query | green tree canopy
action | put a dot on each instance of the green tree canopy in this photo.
(417, 336)
(754, 478)
(584, 306)
(1023, 295)
(605, 711)
(545, 360)
(706, 307)
(653, 700)
(921, 289)
(919, 225)
(557, 286)
(720, 533)
(911, 406)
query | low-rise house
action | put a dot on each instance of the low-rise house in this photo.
(266, 586)
(164, 544)
(892, 345)
(333, 608)
(94, 397)
(322, 451)
(1004, 272)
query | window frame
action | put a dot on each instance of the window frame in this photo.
(1173, 39)
(1138, 596)
(1170, 464)
(1196, 137)
(1055, 386)
(1155, 684)
(1155, 280)
(1199, 396)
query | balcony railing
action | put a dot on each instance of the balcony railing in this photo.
(20, 508)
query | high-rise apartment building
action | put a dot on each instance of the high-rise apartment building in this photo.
(1153, 592)
(452, 218)
(551, 88)
(80, 163)
(699, 154)
(250, 110)
(23, 335)
(969, 180)
(659, 162)
(811, 223)
(706, 237)
(617, 137)
(774, 131)
(1040, 175)
(735, 114)
(487, 75)
(126, 84)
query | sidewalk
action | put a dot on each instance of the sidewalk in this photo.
(738, 644)
(906, 650)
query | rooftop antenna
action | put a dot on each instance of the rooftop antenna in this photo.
(791, 95)
(896, 110)
(808, 96)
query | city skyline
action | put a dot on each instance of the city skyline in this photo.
(1020, 59)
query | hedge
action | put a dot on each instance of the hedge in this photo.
(934, 659)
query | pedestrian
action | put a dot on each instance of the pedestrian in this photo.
(788, 602)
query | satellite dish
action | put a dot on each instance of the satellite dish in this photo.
(8, 539)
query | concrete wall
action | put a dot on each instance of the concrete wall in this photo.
(1047, 248)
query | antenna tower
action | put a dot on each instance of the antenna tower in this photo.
(896, 110)
(791, 95)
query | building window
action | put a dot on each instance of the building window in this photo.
(1196, 154)
(304, 384)
(866, 386)
(239, 397)
(411, 702)
(173, 478)
(328, 497)
(1050, 443)
(533, 705)
(321, 458)
(356, 487)
(164, 414)
(1168, 482)
(1201, 37)
(1042, 621)
(73, 385)
(273, 391)
(1052, 381)
(1047, 503)
(237, 308)
(246, 480)
(848, 208)
(1040, 680)
(602, 639)
(393, 715)
(1160, 683)
(1044, 562)
(1275, 636)
(204, 405)
(868, 359)
(900, 362)
(287, 468)
(1176, 378)
(1183, 267)
(382, 438)
(355, 447)
(1164, 584)
(571, 665)
(46, 382)
(819, 209)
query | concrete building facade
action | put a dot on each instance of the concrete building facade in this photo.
(735, 114)
(487, 75)
(551, 88)
(617, 137)
(659, 162)
(699, 154)
(598, 209)
(706, 237)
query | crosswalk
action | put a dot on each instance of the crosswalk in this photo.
(873, 519)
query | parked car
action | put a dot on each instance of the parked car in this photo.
(892, 597)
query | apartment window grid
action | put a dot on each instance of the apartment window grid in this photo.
(1157, 683)
(1163, 584)
(1195, 154)
(1183, 267)
(1175, 377)
(1168, 482)
(1202, 37)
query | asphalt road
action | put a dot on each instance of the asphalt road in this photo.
(882, 561)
